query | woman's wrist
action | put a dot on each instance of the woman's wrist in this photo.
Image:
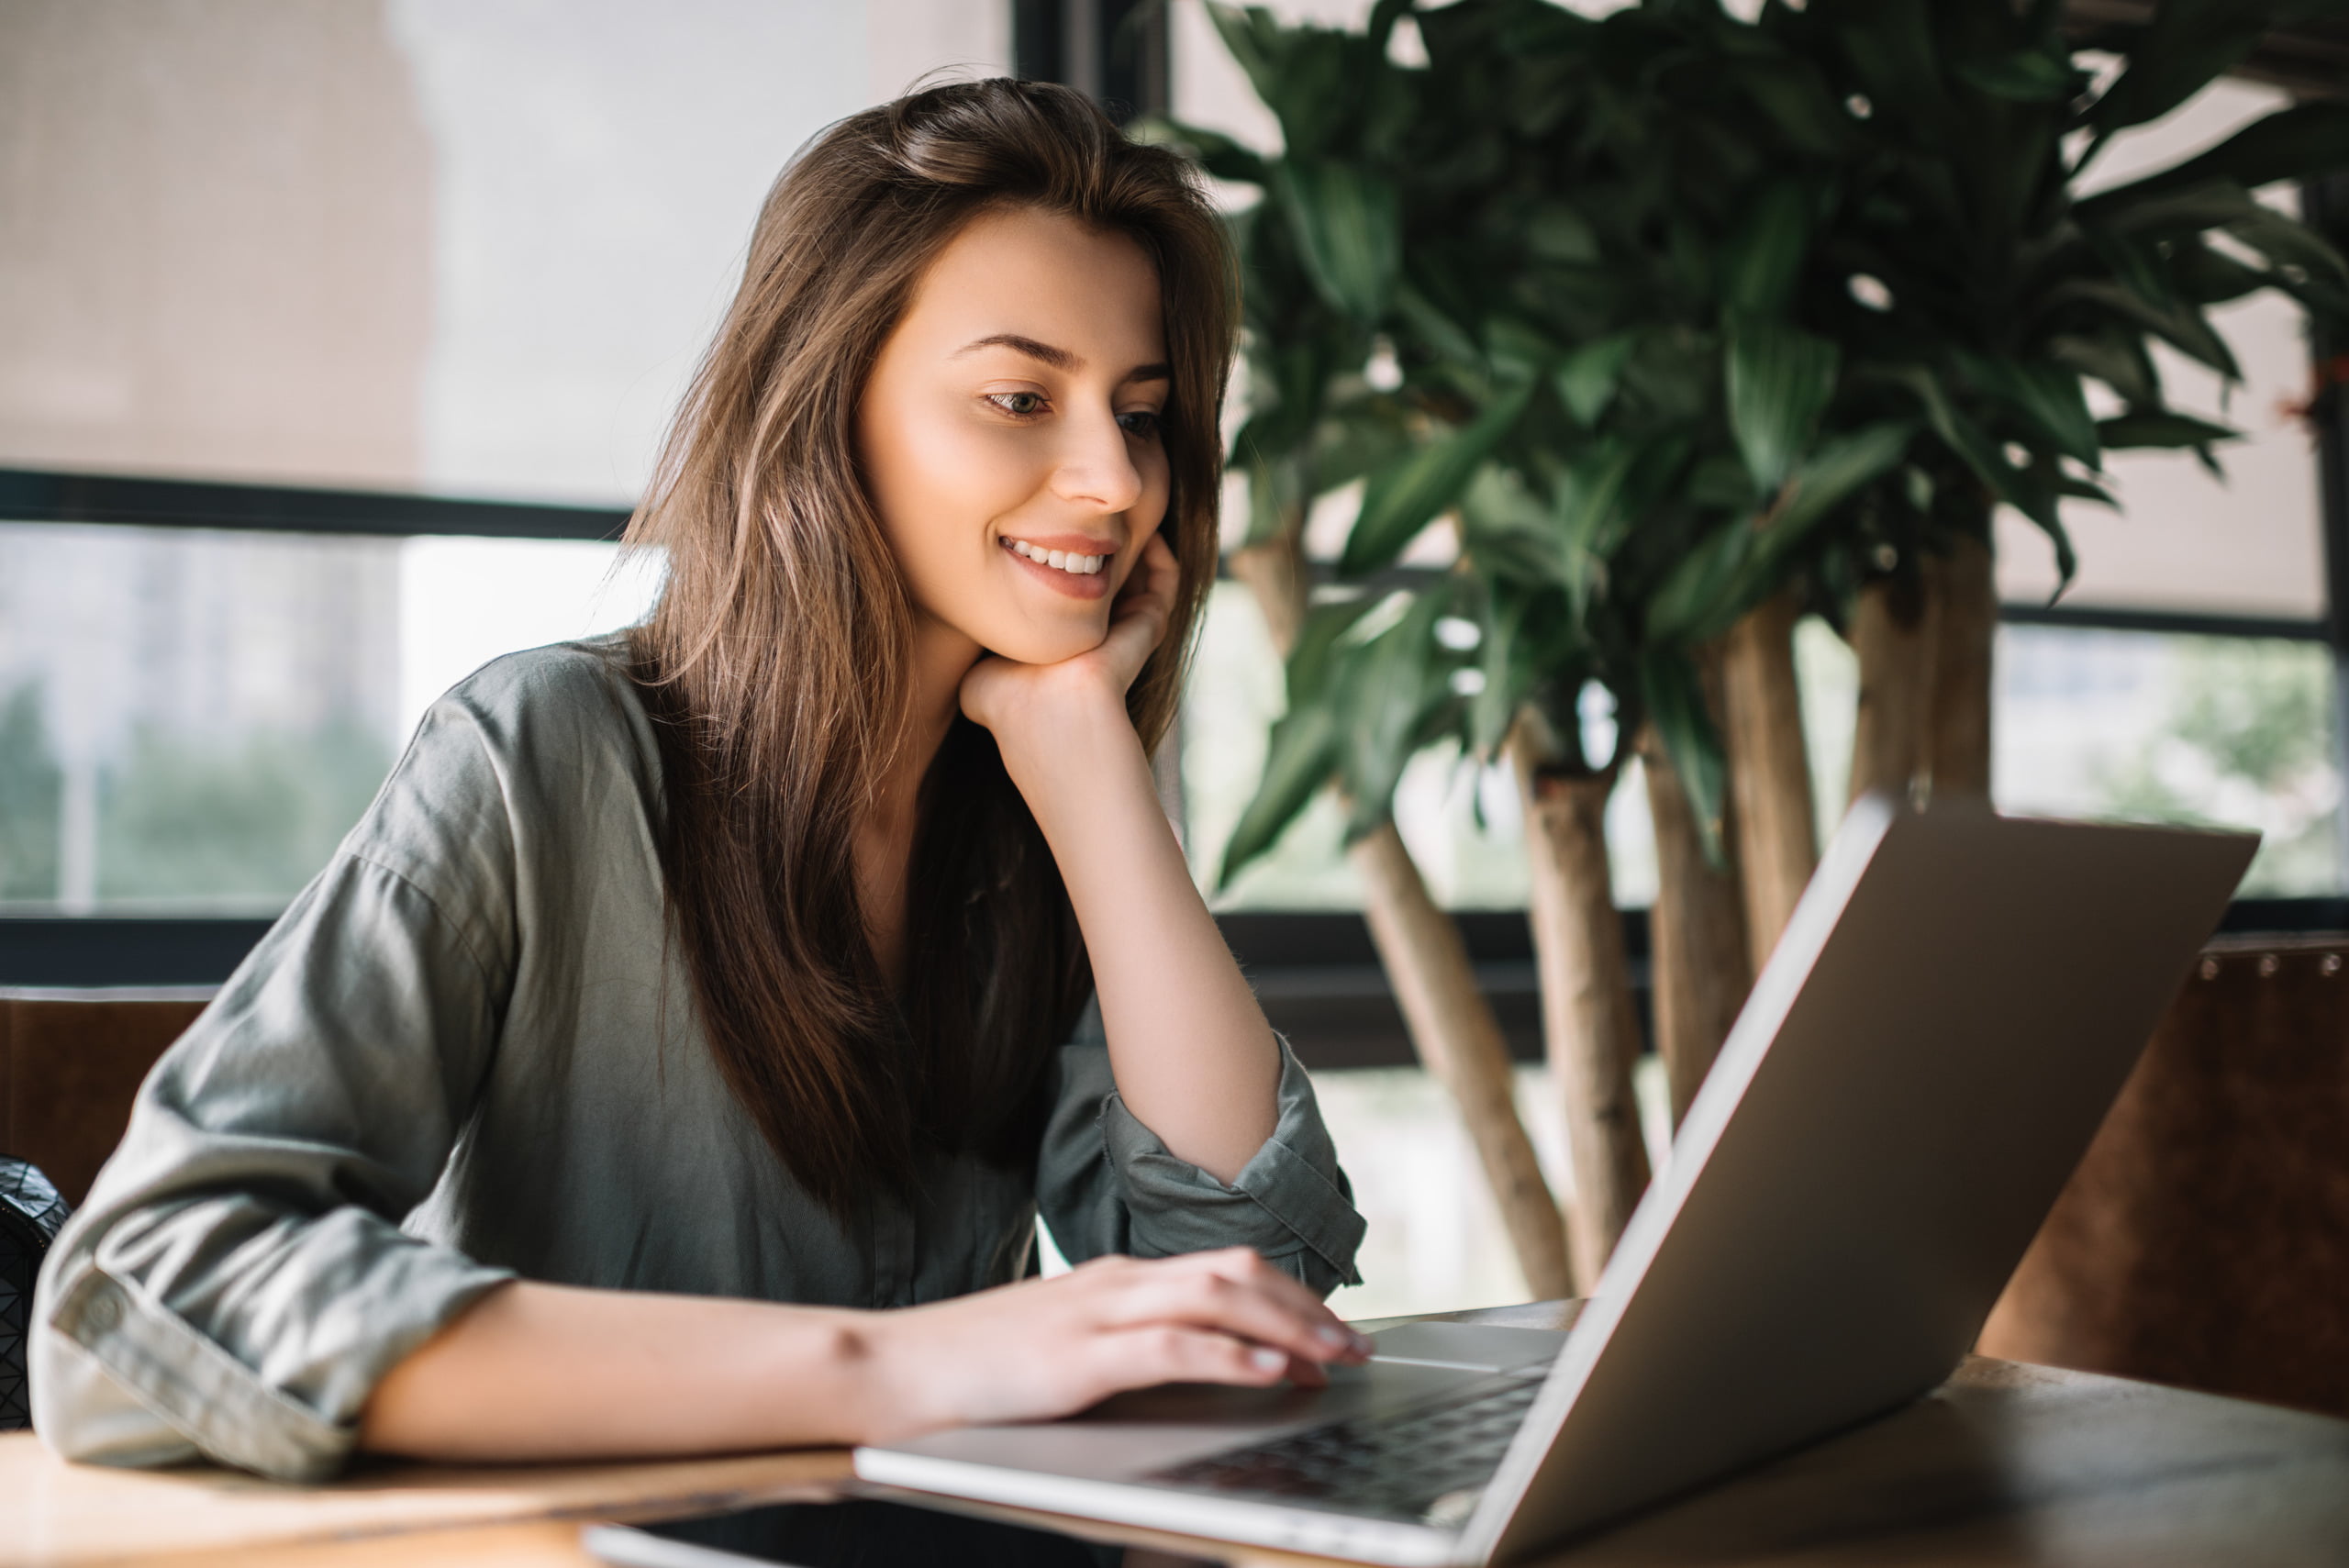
(893, 1383)
(1065, 735)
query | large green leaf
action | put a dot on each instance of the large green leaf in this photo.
(2189, 44)
(1516, 348)
(2045, 396)
(2185, 209)
(2117, 358)
(1713, 582)
(1760, 262)
(1556, 232)
(1390, 687)
(1306, 744)
(1311, 78)
(1218, 154)
(1794, 97)
(1674, 376)
(1435, 326)
(1508, 532)
(2019, 488)
(1675, 695)
(2290, 144)
(1889, 46)
(2180, 325)
(1315, 658)
(2161, 428)
(1300, 757)
(1508, 674)
(1347, 224)
(2203, 276)
(1253, 38)
(2199, 274)
(1593, 511)
(1838, 469)
(1780, 380)
(2026, 76)
(1407, 494)
(2289, 243)
(1288, 392)
(1587, 377)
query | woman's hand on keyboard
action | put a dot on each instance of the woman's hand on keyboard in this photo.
(1050, 1346)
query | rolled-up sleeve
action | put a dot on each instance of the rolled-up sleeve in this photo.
(1107, 1183)
(238, 1281)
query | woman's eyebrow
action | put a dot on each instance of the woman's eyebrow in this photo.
(1059, 359)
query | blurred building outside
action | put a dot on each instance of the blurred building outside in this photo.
(472, 248)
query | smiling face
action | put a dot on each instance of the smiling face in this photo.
(1008, 434)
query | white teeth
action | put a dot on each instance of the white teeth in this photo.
(1060, 560)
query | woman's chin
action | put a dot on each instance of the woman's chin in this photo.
(1033, 645)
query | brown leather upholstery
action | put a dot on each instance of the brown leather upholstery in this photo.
(2205, 1240)
(68, 1070)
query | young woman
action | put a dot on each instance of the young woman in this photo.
(673, 1057)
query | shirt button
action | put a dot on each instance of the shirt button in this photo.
(103, 1311)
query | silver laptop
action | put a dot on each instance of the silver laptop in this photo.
(1954, 1007)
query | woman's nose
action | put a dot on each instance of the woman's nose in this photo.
(1096, 467)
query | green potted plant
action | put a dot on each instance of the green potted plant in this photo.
(1686, 324)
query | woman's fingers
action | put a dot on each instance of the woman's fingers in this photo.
(1236, 1294)
(1246, 1266)
(1308, 1374)
(1147, 601)
(1045, 1348)
(1143, 1357)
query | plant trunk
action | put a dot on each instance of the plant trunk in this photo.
(1893, 635)
(1965, 626)
(1696, 932)
(1769, 771)
(1588, 1022)
(1450, 1025)
(1460, 1043)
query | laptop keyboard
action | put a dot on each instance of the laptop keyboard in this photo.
(1402, 1464)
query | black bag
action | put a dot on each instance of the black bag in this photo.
(30, 1215)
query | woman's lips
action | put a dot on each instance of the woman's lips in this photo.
(1094, 585)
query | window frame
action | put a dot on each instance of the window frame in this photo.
(1317, 972)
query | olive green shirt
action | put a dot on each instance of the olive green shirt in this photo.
(466, 1054)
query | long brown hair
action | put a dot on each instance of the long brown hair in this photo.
(777, 664)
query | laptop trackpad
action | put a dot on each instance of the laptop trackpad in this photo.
(1470, 1346)
(1413, 1361)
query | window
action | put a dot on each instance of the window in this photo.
(406, 249)
(191, 718)
(463, 247)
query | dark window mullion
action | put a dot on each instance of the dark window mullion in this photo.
(2325, 205)
(1114, 52)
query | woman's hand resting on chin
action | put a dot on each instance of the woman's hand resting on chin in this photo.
(1024, 702)
(1051, 1347)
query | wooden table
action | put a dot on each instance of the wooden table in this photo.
(2004, 1464)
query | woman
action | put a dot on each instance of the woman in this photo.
(667, 1063)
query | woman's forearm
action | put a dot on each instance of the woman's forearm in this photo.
(1193, 1055)
(542, 1372)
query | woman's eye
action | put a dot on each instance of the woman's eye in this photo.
(1024, 405)
(1140, 422)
